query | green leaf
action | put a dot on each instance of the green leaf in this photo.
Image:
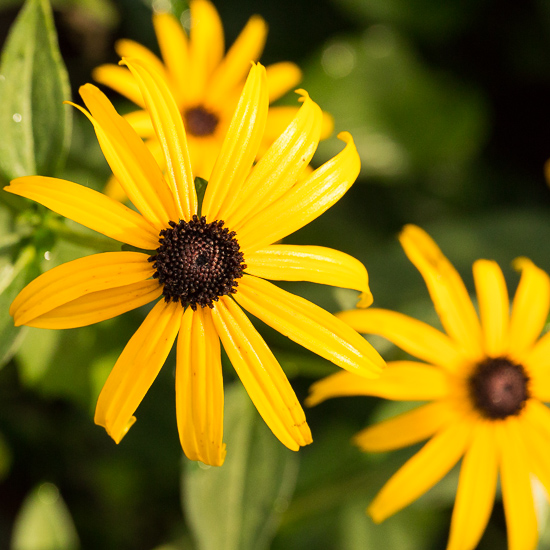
(44, 522)
(12, 279)
(35, 124)
(236, 506)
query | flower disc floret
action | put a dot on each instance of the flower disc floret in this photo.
(197, 262)
(498, 388)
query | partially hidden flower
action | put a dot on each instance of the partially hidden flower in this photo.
(206, 261)
(485, 382)
(205, 83)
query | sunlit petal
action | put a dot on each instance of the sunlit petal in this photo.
(199, 389)
(400, 380)
(261, 375)
(281, 166)
(239, 147)
(413, 336)
(234, 67)
(120, 80)
(89, 208)
(98, 306)
(168, 125)
(422, 471)
(304, 202)
(517, 495)
(140, 121)
(537, 359)
(309, 325)
(476, 489)
(316, 264)
(530, 306)
(136, 369)
(129, 48)
(281, 78)
(449, 295)
(71, 280)
(492, 297)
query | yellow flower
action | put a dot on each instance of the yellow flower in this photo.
(209, 261)
(485, 381)
(205, 84)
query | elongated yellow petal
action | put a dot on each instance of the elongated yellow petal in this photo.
(281, 78)
(199, 389)
(309, 325)
(168, 125)
(97, 306)
(71, 280)
(140, 121)
(234, 67)
(413, 336)
(136, 369)
(422, 471)
(538, 414)
(206, 48)
(530, 306)
(449, 295)
(517, 496)
(174, 47)
(129, 48)
(304, 202)
(130, 160)
(239, 147)
(280, 116)
(120, 80)
(88, 207)
(281, 166)
(310, 263)
(261, 375)
(400, 380)
(492, 297)
(537, 359)
(406, 429)
(476, 489)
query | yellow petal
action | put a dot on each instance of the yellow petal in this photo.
(140, 121)
(199, 389)
(400, 380)
(422, 471)
(120, 80)
(233, 69)
(406, 429)
(309, 325)
(413, 336)
(261, 375)
(130, 160)
(449, 295)
(304, 202)
(281, 166)
(129, 48)
(239, 147)
(71, 280)
(530, 306)
(168, 125)
(206, 48)
(281, 78)
(492, 297)
(136, 369)
(476, 489)
(517, 495)
(97, 306)
(88, 207)
(537, 360)
(316, 264)
(174, 46)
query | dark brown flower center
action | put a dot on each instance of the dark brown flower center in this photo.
(197, 262)
(199, 122)
(498, 387)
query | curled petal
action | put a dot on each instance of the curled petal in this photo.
(119, 79)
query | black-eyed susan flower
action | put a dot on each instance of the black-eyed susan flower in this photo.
(205, 83)
(206, 262)
(485, 382)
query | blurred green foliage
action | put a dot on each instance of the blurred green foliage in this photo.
(448, 105)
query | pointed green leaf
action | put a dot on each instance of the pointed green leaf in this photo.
(237, 506)
(34, 123)
(44, 522)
